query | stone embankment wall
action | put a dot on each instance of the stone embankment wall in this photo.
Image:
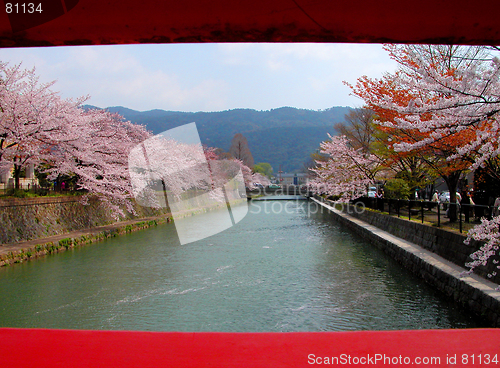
(447, 244)
(33, 218)
(35, 227)
(400, 239)
(43, 247)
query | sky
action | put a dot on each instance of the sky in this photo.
(209, 76)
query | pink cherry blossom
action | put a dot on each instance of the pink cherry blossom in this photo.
(454, 89)
(346, 173)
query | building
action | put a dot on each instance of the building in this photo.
(7, 181)
(294, 179)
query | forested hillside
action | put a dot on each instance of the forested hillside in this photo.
(285, 136)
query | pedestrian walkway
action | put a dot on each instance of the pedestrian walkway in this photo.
(431, 214)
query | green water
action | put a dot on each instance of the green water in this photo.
(279, 269)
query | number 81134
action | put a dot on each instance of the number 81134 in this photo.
(24, 8)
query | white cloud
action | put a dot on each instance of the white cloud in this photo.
(113, 75)
(344, 60)
(207, 77)
(144, 89)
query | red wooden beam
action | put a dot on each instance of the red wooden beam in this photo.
(81, 22)
(427, 348)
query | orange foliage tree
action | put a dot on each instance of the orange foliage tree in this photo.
(409, 147)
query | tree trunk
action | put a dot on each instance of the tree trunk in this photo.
(17, 175)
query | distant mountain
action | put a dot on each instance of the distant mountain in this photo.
(285, 135)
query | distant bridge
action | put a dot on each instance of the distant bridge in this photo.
(283, 191)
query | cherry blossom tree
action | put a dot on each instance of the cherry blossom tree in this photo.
(389, 98)
(56, 135)
(95, 150)
(466, 99)
(347, 172)
(259, 178)
(163, 169)
(93, 146)
(247, 173)
(33, 119)
(460, 91)
(218, 154)
(455, 93)
(166, 172)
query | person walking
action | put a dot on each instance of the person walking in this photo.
(435, 197)
(466, 202)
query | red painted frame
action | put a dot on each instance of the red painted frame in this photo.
(122, 349)
(84, 22)
(81, 22)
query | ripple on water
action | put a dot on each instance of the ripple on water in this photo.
(271, 272)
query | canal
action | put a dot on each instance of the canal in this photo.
(287, 266)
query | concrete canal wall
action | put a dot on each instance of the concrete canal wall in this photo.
(447, 244)
(23, 219)
(35, 227)
(473, 292)
(33, 218)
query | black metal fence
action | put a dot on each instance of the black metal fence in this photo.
(436, 213)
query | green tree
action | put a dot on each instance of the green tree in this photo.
(263, 168)
(396, 189)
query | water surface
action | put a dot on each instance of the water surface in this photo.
(285, 267)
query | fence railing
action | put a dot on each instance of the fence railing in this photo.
(432, 212)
